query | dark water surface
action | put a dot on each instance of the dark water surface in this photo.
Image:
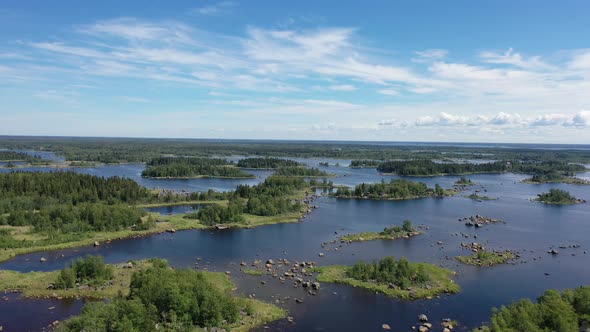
(531, 228)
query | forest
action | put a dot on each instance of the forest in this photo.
(266, 163)
(13, 156)
(61, 203)
(91, 271)
(395, 189)
(186, 167)
(428, 167)
(121, 150)
(174, 300)
(565, 312)
(269, 198)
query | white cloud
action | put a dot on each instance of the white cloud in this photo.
(515, 59)
(342, 87)
(213, 9)
(430, 55)
(388, 92)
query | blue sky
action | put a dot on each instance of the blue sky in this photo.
(478, 71)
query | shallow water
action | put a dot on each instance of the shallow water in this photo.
(531, 228)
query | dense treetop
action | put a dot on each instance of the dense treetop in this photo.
(186, 167)
(389, 271)
(565, 312)
(557, 196)
(266, 163)
(395, 189)
(301, 171)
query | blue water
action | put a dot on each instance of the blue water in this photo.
(531, 228)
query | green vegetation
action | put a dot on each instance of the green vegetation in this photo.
(388, 233)
(393, 278)
(90, 271)
(124, 150)
(14, 156)
(565, 312)
(395, 190)
(272, 197)
(323, 184)
(301, 172)
(253, 272)
(155, 297)
(267, 163)
(554, 177)
(429, 168)
(61, 203)
(487, 258)
(183, 167)
(463, 181)
(365, 163)
(557, 196)
(481, 198)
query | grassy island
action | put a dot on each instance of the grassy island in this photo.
(559, 197)
(186, 168)
(267, 163)
(555, 178)
(487, 258)
(389, 233)
(464, 182)
(398, 189)
(145, 294)
(553, 311)
(393, 278)
(481, 198)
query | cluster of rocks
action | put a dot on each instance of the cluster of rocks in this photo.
(473, 246)
(478, 220)
(284, 270)
(425, 326)
(307, 200)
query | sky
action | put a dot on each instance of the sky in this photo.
(390, 70)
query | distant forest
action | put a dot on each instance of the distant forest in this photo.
(117, 150)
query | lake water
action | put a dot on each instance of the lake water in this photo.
(176, 209)
(531, 228)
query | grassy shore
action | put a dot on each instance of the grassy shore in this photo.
(34, 285)
(481, 198)
(369, 236)
(439, 282)
(565, 179)
(487, 258)
(168, 223)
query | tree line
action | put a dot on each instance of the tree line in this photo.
(300, 171)
(266, 163)
(395, 189)
(186, 167)
(428, 167)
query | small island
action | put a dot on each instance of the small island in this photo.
(394, 278)
(266, 163)
(479, 220)
(558, 197)
(389, 233)
(487, 258)
(135, 289)
(298, 171)
(464, 182)
(481, 198)
(189, 167)
(396, 189)
(555, 177)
